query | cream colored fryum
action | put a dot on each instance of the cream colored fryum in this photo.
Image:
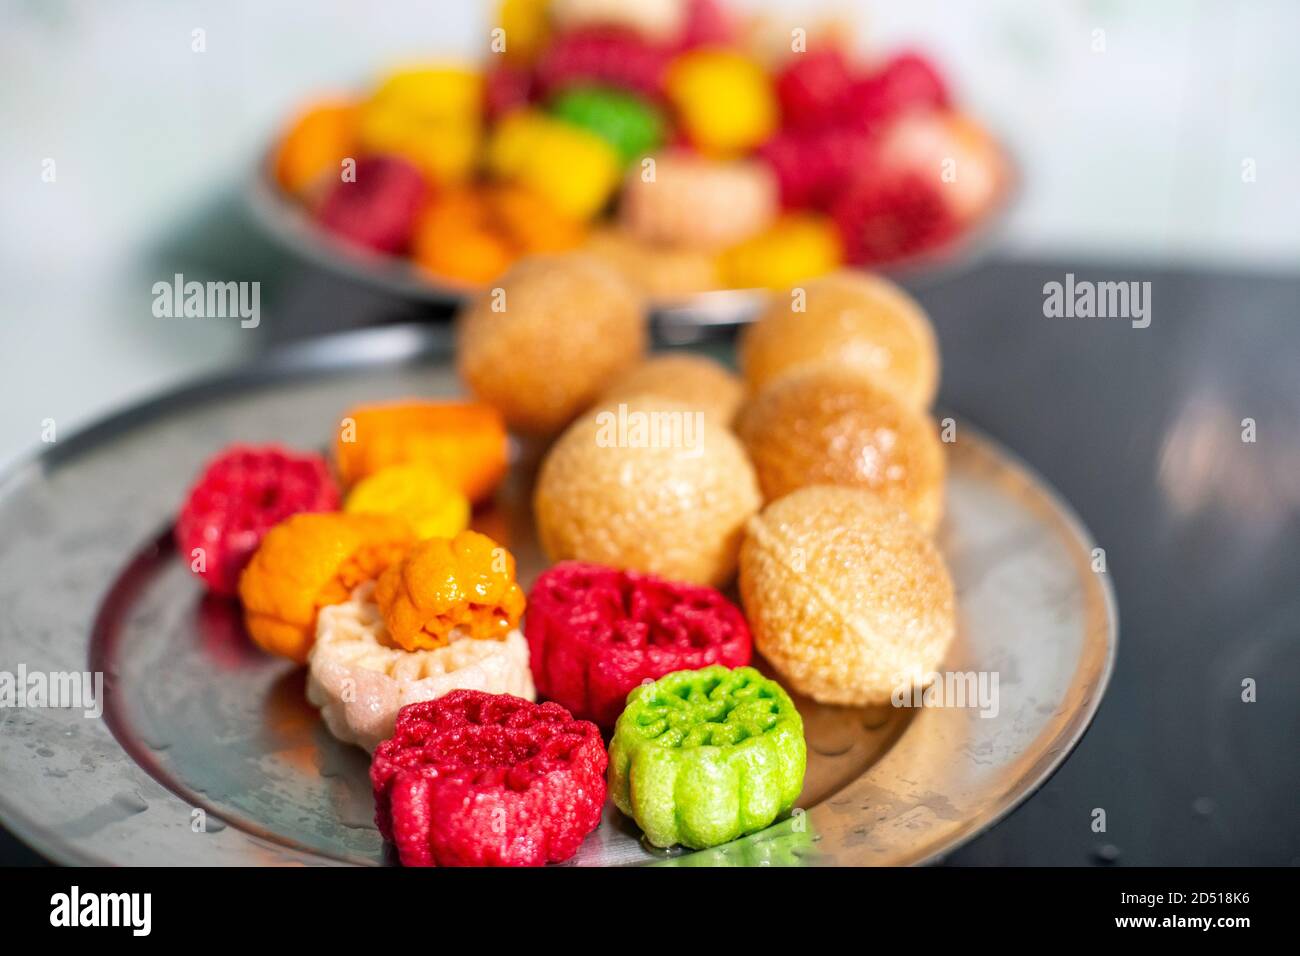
(360, 683)
(659, 20)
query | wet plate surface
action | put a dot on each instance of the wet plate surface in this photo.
(196, 719)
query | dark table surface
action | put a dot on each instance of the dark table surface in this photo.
(1142, 431)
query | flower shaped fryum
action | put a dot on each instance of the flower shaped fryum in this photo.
(703, 757)
(474, 779)
(308, 562)
(464, 584)
(360, 682)
(595, 633)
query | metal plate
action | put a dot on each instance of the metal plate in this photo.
(196, 719)
(286, 221)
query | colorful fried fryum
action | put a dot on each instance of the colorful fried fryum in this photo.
(472, 235)
(604, 56)
(377, 207)
(632, 125)
(317, 142)
(723, 99)
(577, 94)
(310, 561)
(573, 169)
(418, 494)
(457, 240)
(595, 633)
(814, 166)
(465, 442)
(239, 496)
(525, 26)
(360, 681)
(794, 248)
(703, 757)
(446, 588)
(474, 779)
(891, 217)
(431, 117)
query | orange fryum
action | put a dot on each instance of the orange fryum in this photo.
(465, 255)
(465, 582)
(455, 240)
(473, 235)
(532, 223)
(464, 441)
(317, 141)
(310, 561)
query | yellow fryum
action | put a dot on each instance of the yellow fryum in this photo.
(573, 170)
(428, 502)
(795, 248)
(723, 99)
(525, 28)
(431, 116)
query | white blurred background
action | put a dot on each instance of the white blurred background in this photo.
(1134, 153)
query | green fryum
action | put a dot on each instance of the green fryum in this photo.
(628, 123)
(703, 757)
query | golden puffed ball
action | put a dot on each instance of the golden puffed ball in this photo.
(828, 425)
(647, 485)
(697, 202)
(846, 597)
(555, 333)
(691, 379)
(852, 318)
(664, 274)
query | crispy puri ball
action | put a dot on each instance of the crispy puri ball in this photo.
(698, 202)
(555, 333)
(846, 597)
(830, 425)
(695, 380)
(647, 485)
(862, 321)
(662, 273)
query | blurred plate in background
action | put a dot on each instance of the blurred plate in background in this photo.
(288, 223)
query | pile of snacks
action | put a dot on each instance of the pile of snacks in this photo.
(422, 647)
(689, 145)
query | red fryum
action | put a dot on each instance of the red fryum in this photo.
(475, 779)
(707, 24)
(906, 81)
(242, 494)
(812, 167)
(379, 209)
(594, 633)
(813, 88)
(505, 88)
(604, 55)
(885, 218)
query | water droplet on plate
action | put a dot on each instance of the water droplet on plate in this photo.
(1106, 853)
(664, 852)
